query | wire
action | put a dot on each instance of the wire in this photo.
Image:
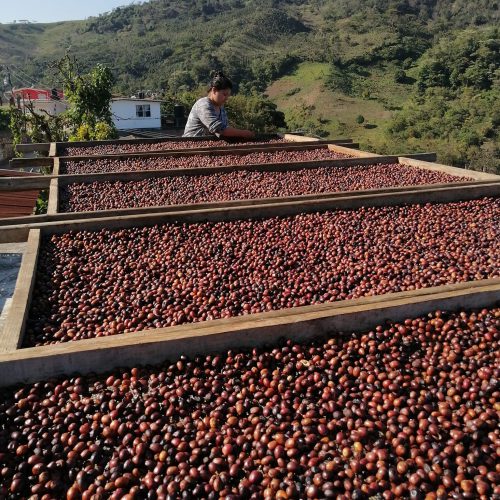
(18, 70)
(23, 79)
(20, 79)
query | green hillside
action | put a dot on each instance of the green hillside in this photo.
(335, 67)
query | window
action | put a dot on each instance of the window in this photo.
(143, 111)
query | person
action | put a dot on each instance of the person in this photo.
(208, 116)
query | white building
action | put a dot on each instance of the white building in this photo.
(50, 106)
(131, 113)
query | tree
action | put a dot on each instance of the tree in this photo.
(4, 119)
(30, 125)
(400, 76)
(360, 119)
(255, 112)
(89, 96)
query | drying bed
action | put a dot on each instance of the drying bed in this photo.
(94, 165)
(406, 409)
(98, 283)
(125, 147)
(242, 184)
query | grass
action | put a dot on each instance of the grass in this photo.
(303, 97)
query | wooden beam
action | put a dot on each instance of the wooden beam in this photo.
(350, 150)
(290, 137)
(414, 161)
(216, 149)
(31, 162)
(57, 166)
(420, 156)
(148, 140)
(208, 151)
(300, 324)
(53, 149)
(12, 335)
(31, 182)
(53, 205)
(299, 138)
(41, 147)
(33, 170)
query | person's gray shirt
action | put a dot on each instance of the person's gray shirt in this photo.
(204, 119)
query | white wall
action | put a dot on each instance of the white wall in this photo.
(124, 114)
(52, 107)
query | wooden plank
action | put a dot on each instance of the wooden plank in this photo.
(217, 148)
(422, 156)
(12, 335)
(220, 151)
(305, 138)
(154, 346)
(53, 204)
(53, 149)
(41, 147)
(31, 182)
(9, 172)
(31, 162)
(152, 140)
(299, 138)
(15, 234)
(416, 162)
(349, 150)
(56, 167)
(32, 170)
(60, 146)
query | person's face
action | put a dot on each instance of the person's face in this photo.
(219, 97)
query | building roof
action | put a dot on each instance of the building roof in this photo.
(30, 88)
(134, 99)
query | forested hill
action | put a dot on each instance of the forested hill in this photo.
(378, 55)
(177, 42)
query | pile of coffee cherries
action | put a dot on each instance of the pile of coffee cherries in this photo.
(244, 184)
(107, 282)
(405, 410)
(103, 165)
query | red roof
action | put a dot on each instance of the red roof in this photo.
(32, 93)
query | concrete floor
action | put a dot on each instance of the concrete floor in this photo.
(11, 255)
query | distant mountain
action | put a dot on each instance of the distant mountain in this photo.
(164, 43)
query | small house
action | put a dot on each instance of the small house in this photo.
(40, 100)
(32, 94)
(133, 113)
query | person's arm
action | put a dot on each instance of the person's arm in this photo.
(236, 132)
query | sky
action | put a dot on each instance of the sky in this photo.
(49, 11)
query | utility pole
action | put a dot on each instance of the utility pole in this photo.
(7, 82)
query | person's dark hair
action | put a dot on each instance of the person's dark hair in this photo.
(219, 81)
